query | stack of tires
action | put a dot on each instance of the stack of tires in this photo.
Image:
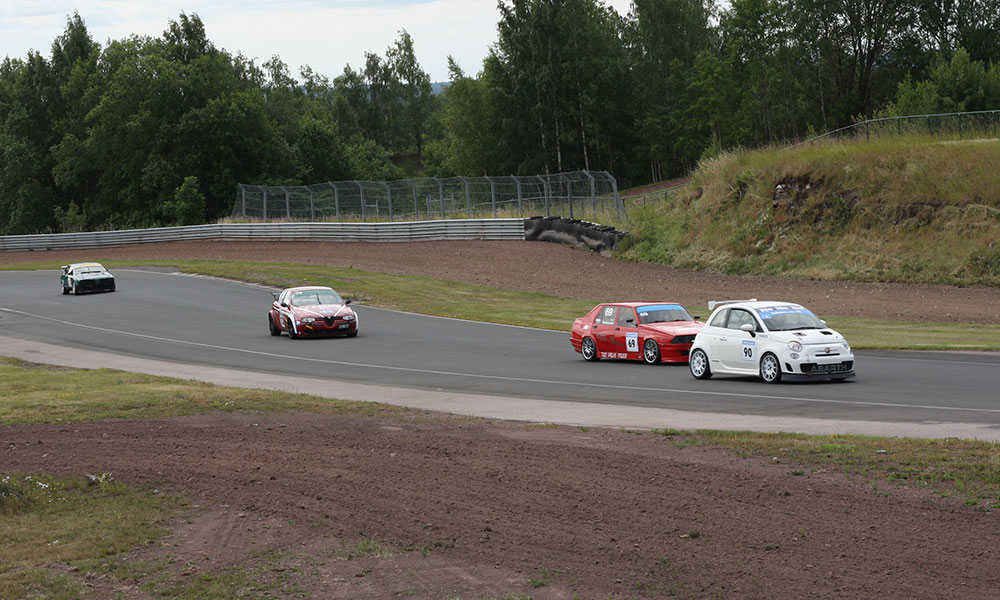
(599, 238)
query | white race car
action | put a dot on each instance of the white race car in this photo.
(774, 340)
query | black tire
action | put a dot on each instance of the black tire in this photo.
(698, 363)
(588, 347)
(770, 368)
(65, 290)
(75, 293)
(353, 334)
(271, 326)
(651, 352)
(291, 331)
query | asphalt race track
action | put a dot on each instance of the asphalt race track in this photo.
(187, 319)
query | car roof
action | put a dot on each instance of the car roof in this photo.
(638, 304)
(758, 304)
(308, 288)
(86, 264)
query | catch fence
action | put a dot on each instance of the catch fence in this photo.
(972, 124)
(586, 195)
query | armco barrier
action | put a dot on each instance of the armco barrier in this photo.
(451, 229)
(599, 238)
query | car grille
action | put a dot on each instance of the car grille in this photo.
(683, 339)
(815, 369)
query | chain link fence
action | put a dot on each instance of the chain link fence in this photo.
(974, 124)
(587, 195)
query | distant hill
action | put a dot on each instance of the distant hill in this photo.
(438, 87)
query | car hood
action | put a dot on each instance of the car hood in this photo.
(676, 327)
(322, 310)
(808, 337)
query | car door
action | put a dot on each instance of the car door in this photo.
(626, 332)
(603, 329)
(739, 351)
(714, 334)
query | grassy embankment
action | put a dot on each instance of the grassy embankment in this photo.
(909, 209)
(50, 523)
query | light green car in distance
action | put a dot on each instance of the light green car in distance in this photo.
(79, 278)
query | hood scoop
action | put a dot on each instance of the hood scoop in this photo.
(827, 332)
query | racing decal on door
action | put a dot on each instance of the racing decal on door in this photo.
(749, 348)
(632, 342)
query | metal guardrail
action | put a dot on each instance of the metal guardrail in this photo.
(452, 229)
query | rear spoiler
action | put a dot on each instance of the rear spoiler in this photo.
(713, 303)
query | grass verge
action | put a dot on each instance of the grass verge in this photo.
(48, 520)
(481, 303)
(63, 395)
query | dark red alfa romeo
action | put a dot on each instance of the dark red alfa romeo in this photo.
(311, 311)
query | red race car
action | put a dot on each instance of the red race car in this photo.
(651, 331)
(311, 311)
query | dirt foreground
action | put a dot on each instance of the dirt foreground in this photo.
(472, 509)
(429, 506)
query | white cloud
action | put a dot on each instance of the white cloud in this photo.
(324, 34)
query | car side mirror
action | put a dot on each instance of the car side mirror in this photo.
(823, 322)
(285, 304)
(348, 301)
(632, 321)
(747, 327)
(697, 317)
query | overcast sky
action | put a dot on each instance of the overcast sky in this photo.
(324, 34)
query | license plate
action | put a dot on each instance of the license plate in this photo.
(838, 368)
(343, 326)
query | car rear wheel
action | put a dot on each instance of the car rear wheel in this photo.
(589, 349)
(271, 326)
(651, 352)
(698, 363)
(770, 369)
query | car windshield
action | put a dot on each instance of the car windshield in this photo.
(662, 313)
(788, 318)
(314, 297)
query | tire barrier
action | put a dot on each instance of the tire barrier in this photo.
(582, 234)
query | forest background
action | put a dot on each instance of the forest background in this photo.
(160, 131)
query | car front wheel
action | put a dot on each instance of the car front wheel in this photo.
(74, 289)
(291, 331)
(651, 352)
(65, 290)
(698, 362)
(589, 349)
(770, 369)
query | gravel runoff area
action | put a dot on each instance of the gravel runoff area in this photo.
(473, 509)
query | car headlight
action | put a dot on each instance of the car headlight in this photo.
(348, 317)
(308, 320)
(847, 346)
(795, 346)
